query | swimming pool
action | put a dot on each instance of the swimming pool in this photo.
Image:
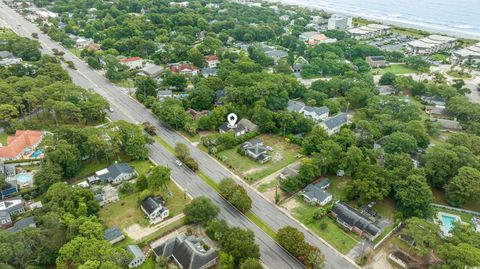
(37, 153)
(24, 178)
(447, 222)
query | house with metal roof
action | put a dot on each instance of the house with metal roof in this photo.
(237, 129)
(376, 61)
(353, 221)
(333, 124)
(155, 209)
(164, 94)
(138, 256)
(113, 235)
(116, 173)
(151, 70)
(10, 207)
(188, 252)
(316, 113)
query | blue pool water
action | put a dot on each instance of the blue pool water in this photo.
(448, 222)
(37, 153)
(23, 178)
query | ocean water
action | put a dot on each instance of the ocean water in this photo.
(458, 17)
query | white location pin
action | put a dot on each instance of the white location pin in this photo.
(232, 120)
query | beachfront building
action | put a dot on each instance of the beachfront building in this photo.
(468, 55)
(430, 44)
(339, 22)
(369, 31)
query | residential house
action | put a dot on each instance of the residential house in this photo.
(132, 62)
(138, 256)
(184, 68)
(151, 70)
(196, 114)
(219, 96)
(430, 45)
(402, 259)
(9, 208)
(333, 124)
(316, 113)
(23, 142)
(212, 6)
(5, 54)
(386, 90)
(304, 37)
(290, 171)
(433, 101)
(7, 58)
(339, 22)
(93, 47)
(164, 94)
(208, 72)
(274, 54)
(179, 4)
(24, 223)
(212, 61)
(256, 150)
(116, 173)
(452, 125)
(353, 221)
(248, 125)
(376, 61)
(100, 199)
(155, 209)
(237, 129)
(299, 63)
(188, 252)
(113, 235)
(369, 31)
(436, 111)
(284, 18)
(315, 38)
(315, 194)
(469, 54)
(82, 42)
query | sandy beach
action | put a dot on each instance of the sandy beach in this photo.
(392, 20)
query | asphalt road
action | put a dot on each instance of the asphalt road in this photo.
(128, 109)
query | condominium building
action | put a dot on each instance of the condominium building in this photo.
(339, 22)
(469, 54)
(369, 31)
(430, 44)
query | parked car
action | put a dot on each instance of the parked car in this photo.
(178, 162)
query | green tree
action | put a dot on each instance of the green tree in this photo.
(459, 256)
(441, 164)
(48, 174)
(423, 233)
(200, 211)
(146, 86)
(463, 186)
(413, 196)
(158, 178)
(67, 200)
(66, 156)
(226, 261)
(181, 151)
(387, 78)
(240, 244)
(400, 142)
(172, 112)
(251, 263)
(293, 241)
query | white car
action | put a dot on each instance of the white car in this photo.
(178, 162)
(110, 109)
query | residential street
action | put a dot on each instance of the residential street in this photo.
(128, 109)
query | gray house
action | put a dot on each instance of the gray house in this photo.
(352, 220)
(162, 95)
(238, 129)
(316, 194)
(113, 235)
(256, 150)
(9, 208)
(333, 124)
(316, 113)
(155, 209)
(290, 171)
(188, 252)
(138, 256)
(152, 70)
(22, 224)
(116, 173)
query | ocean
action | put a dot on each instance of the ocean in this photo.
(455, 17)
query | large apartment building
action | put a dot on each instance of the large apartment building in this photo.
(369, 31)
(339, 22)
(430, 44)
(469, 54)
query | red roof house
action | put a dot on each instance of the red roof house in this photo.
(22, 142)
(187, 69)
(132, 62)
(212, 61)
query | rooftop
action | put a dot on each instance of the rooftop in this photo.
(19, 142)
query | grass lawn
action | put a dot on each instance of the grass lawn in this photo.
(457, 74)
(386, 208)
(337, 186)
(90, 166)
(195, 138)
(262, 225)
(283, 154)
(164, 230)
(125, 83)
(333, 234)
(209, 181)
(149, 263)
(395, 69)
(75, 51)
(3, 138)
(439, 198)
(164, 144)
(126, 211)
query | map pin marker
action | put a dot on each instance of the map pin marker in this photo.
(232, 120)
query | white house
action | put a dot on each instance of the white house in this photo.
(316, 113)
(155, 209)
(315, 194)
(212, 61)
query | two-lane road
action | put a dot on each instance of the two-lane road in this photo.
(128, 109)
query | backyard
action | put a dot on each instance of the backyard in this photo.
(126, 211)
(91, 166)
(330, 231)
(283, 154)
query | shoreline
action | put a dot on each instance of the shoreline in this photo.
(403, 23)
